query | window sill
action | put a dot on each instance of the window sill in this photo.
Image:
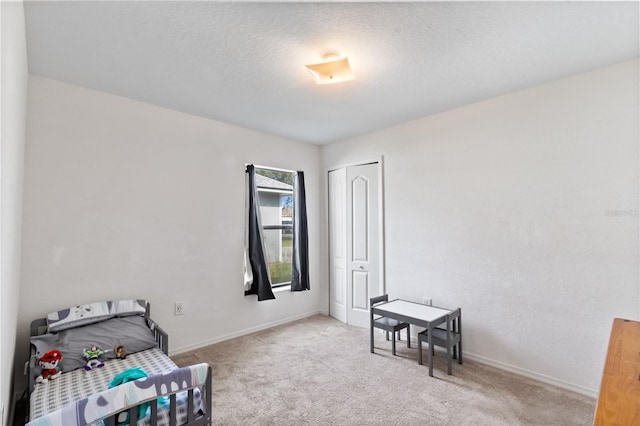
(281, 288)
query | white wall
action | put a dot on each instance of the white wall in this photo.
(128, 200)
(13, 117)
(523, 210)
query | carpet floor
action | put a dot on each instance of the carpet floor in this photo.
(319, 371)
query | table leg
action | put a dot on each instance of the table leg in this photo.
(448, 349)
(371, 331)
(430, 352)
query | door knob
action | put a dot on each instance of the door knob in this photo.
(361, 267)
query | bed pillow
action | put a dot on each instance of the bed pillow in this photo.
(131, 332)
(124, 308)
(92, 313)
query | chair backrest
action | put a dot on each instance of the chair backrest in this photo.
(375, 300)
(454, 319)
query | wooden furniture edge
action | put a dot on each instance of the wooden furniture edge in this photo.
(619, 397)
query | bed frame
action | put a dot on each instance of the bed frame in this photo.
(203, 418)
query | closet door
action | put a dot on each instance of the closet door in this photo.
(354, 242)
(338, 244)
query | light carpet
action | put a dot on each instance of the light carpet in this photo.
(319, 371)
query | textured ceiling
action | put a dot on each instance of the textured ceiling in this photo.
(243, 63)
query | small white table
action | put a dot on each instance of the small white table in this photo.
(418, 314)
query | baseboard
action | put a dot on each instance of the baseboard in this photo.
(203, 343)
(522, 372)
(533, 375)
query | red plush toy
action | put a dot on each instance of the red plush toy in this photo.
(49, 363)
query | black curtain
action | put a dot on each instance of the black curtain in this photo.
(261, 284)
(300, 260)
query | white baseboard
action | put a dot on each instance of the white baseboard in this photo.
(592, 393)
(203, 343)
(533, 375)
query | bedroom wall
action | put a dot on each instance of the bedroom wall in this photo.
(13, 117)
(128, 200)
(523, 210)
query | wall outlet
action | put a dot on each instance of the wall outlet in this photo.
(426, 301)
(179, 308)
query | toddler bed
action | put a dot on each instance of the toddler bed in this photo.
(153, 390)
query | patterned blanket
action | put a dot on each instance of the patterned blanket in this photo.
(82, 398)
(93, 312)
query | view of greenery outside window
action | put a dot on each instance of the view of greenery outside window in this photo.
(275, 194)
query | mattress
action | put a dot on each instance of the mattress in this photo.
(78, 384)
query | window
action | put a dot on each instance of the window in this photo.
(276, 251)
(275, 194)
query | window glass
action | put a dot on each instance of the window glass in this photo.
(275, 194)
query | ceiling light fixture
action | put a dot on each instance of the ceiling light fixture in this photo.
(333, 69)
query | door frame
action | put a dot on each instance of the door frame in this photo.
(381, 222)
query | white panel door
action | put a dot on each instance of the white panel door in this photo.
(354, 243)
(363, 250)
(338, 244)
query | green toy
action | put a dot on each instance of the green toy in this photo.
(92, 355)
